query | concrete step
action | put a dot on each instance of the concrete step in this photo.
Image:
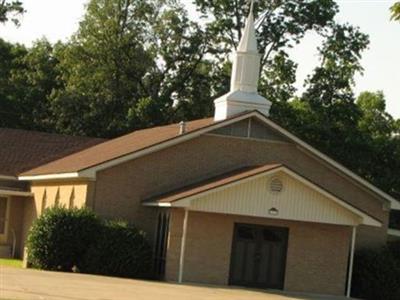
(5, 251)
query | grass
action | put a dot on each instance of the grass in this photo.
(16, 263)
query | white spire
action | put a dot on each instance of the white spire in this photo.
(249, 42)
(243, 94)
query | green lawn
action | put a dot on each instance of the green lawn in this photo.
(17, 263)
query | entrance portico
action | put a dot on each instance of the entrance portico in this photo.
(262, 226)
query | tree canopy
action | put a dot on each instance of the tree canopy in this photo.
(10, 10)
(395, 9)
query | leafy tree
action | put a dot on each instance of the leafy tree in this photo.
(395, 9)
(10, 56)
(127, 66)
(33, 85)
(375, 122)
(381, 131)
(10, 10)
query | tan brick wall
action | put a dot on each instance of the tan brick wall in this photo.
(32, 207)
(119, 190)
(316, 258)
(63, 192)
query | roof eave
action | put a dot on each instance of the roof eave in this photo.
(44, 177)
(90, 172)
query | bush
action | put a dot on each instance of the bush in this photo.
(120, 250)
(376, 275)
(77, 240)
(59, 238)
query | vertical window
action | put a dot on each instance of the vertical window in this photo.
(161, 244)
(3, 214)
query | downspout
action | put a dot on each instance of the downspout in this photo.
(183, 245)
(351, 262)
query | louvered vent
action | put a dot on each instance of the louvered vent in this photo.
(276, 185)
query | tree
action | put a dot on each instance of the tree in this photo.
(326, 115)
(10, 56)
(27, 78)
(395, 9)
(126, 67)
(10, 10)
(381, 131)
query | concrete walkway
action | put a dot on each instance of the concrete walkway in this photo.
(39, 285)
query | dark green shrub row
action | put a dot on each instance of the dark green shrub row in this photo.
(377, 274)
(77, 240)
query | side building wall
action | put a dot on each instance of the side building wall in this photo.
(47, 194)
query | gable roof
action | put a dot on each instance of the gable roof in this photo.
(115, 148)
(87, 162)
(210, 184)
(21, 150)
(183, 196)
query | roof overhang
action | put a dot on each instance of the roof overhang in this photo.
(394, 232)
(90, 173)
(6, 192)
(8, 177)
(51, 176)
(186, 201)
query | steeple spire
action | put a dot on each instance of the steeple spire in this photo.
(249, 42)
(243, 94)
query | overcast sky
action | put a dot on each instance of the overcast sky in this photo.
(58, 19)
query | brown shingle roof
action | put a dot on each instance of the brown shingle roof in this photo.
(21, 150)
(212, 183)
(112, 149)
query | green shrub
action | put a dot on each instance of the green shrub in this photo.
(376, 275)
(59, 238)
(120, 250)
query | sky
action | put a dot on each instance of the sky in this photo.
(58, 19)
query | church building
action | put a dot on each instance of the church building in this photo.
(230, 200)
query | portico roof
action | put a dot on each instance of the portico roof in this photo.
(327, 206)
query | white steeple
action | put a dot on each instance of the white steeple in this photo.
(243, 94)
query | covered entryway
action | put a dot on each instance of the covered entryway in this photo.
(265, 227)
(258, 256)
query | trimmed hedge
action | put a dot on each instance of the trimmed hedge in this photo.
(377, 274)
(59, 238)
(121, 250)
(77, 240)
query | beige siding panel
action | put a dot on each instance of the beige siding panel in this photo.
(61, 193)
(295, 202)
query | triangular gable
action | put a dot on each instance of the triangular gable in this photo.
(299, 200)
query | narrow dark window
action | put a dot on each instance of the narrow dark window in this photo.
(394, 221)
(161, 244)
(3, 214)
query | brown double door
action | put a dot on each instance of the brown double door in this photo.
(258, 256)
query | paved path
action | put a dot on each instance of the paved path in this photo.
(39, 285)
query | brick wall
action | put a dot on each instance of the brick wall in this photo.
(316, 259)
